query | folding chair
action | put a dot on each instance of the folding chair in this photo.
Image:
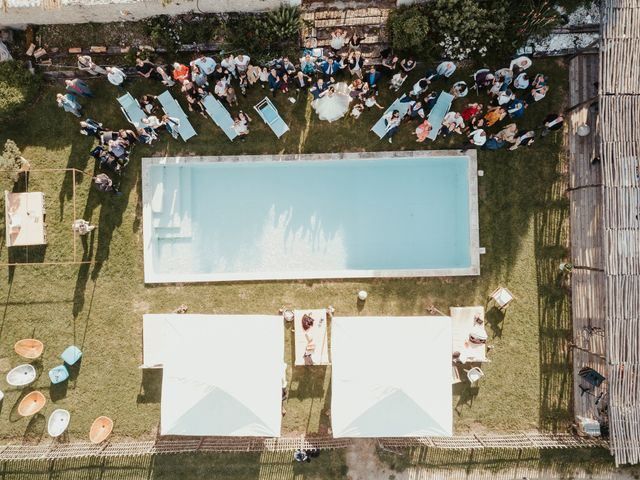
(131, 110)
(437, 113)
(172, 108)
(269, 114)
(220, 116)
(502, 296)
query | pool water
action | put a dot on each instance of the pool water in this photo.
(308, 219)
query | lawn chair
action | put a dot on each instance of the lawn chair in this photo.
(71, 355)
(475, 77)
(474, 374)
(58, 374)
(31, 404)
(172, 108)
(267, 111)
(401, 104)
(437, 113)
(220, 116)
(502, 296)
(131, 110)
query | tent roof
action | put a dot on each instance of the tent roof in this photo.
(222, 373)
(391, 377)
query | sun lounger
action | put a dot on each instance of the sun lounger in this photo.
(462, 321)
(437, 113)
(131, 109)
(380, 128)
(173, 109)
(267, 111)
(318, 332)
(220, 116)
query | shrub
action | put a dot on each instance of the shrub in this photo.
(17, 87)
(163, 33)
(409, 30)
(464, 28)
(12, 161)
(284, 24)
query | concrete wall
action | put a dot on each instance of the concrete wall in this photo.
(100, 11)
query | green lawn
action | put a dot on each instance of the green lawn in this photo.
(523, 226)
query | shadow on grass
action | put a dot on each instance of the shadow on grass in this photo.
(554, 318)
(151, 386)
(35, 429)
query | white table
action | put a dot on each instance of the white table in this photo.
(24, 219)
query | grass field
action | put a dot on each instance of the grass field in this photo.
(523, 226)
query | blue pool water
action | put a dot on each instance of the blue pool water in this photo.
(307, 219)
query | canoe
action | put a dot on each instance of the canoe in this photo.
(29, 348)
(58, 422)
(100, 429)
(21, 375)
(31, 404)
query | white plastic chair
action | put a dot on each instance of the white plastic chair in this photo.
(474, 375)
(502, 296)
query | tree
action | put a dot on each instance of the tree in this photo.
(12, 161)
(409, 30)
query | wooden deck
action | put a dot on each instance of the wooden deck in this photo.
(585, 194)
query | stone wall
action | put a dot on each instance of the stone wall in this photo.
(22, 12)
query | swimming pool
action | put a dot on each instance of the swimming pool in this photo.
(390, 214)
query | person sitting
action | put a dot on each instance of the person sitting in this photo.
(241, 128)
(220, 90)
(430, 100)
(145, 68)
(284, 83)
(419, 87)
(91, 128)
(355, 62)
(231, 97)
(397, 80)
(536, 95)
(521, 82)
(103, 183)
(452, 122)
(539, 80)
(515, 108)
(116, 76)
(505, 96)
(287, 67)
(241, 63)
(422, 131)
(147, 136)
(195, 104)
(152, 122)
(308, 64)
(407, 64)
(472, 114)
(484, 79)
(370, 101)
(390, 63)
(508, 133)
(446, 69)
(552, 123)
(372, 78)
(172, 124)
(494, 115)
(415, 111)
(392, 122)
(128, 137)
(147, 103)
(274, 82)
(180, 72)
(228, 63)
(478, 137)
(478, 334)
(494, 143)
(301, 82)
(520, 64)
(198, 76)
(524, 138)
(243, 83)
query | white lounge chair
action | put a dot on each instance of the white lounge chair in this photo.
(131, 110)
(172, 108)
(220, 116)
(437, 113)
(269, 114)
(401, 104)
(474, 375)
(502, 296)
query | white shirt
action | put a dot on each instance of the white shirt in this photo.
(220, 89)
(397, 80)
(478, 137)
(446, 69)
(243, 63)
(452, 118)
(417, 89)
(116, 76)
(504, 98)
(206, 64)
(520, 82)
(229, 64)
(522, 62)
(538, 95)
(153, 121)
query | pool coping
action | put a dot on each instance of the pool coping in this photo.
(474, 228)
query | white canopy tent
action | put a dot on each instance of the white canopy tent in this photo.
(391, 377)
(222, 373)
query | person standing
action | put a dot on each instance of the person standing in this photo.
(372, 79)
(355, 62)
(446, 69)
(241, 63)
(78, 87)
(86, 65)
(103, 183)
(116, 76)
(69, 104)
(301, 82)
(338, 39)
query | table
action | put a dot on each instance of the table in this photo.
(24, 219)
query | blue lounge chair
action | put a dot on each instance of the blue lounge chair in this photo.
(71, 355)
(401, 104)
(220, 116)
(58, 374)
(131, 109)
(271, 117)
(437, 113)
(172, 108)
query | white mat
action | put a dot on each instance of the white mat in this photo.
(318, 333)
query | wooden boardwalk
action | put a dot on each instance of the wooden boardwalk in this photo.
(585, 194)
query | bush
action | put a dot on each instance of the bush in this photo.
(409, 30)
(13, 161)
(463, 28)
(164, 33)
(17, 87)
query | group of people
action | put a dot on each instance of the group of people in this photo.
(510, 90)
